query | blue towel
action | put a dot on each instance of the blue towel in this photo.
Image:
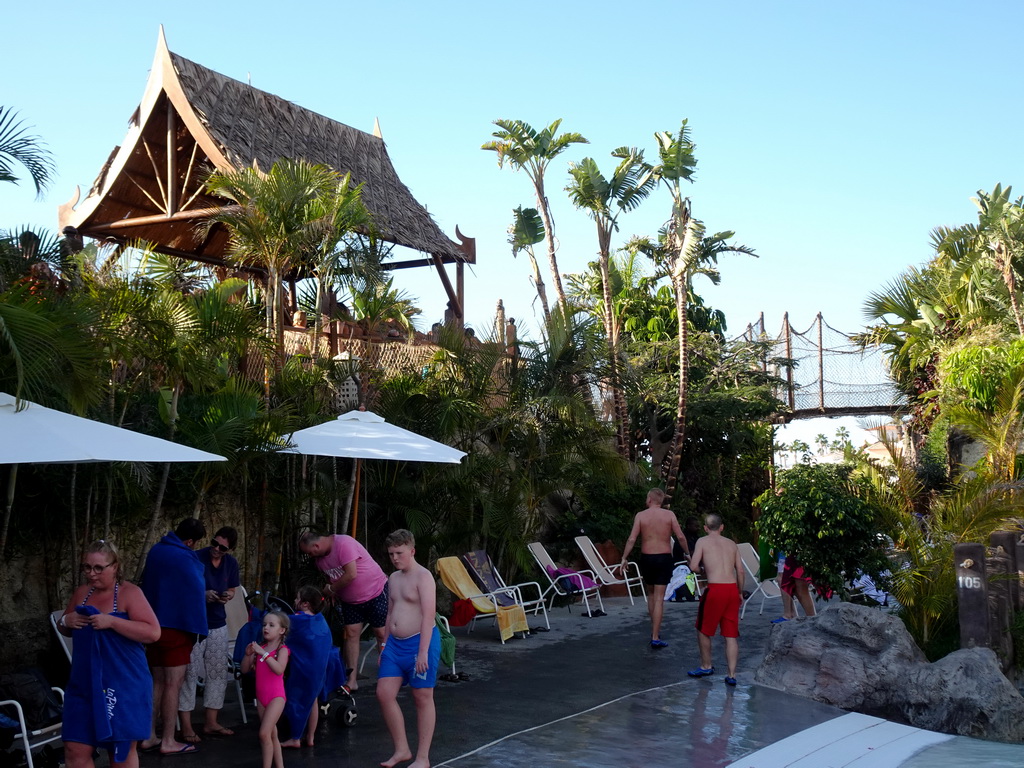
(175, 586)
(250, 631)
(309, 641)
(109, 700)
(337, 674)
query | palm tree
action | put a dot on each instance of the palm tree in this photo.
(282, 219)
(605, 200)
(192, 339)
(526, 231)
(999, 235)
(685, 249)
(18, 146)
(529, 150)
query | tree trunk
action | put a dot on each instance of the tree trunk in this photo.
(1006, 266)
(154, 519)
(538, 283)
(681, 242)
(348, 498)
(549, 239)
(11, 480)
(611, 330)
(676, 451)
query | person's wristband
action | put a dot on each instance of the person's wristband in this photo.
(264, 656)
(62, 621)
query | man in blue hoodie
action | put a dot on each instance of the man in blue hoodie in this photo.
(174, 584)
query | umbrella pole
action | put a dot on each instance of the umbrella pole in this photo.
(355, 497)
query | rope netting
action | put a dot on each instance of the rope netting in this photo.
(832, 373)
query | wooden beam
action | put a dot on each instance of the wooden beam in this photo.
(460, 283)
(156, 172)
(172, 162)
(145, 221)
(453, 298)
(419, 263)
(215, 261)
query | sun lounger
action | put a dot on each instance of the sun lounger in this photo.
(767, 588)
(505, 610)
(610, 575)
(482, 571)
(566, 585)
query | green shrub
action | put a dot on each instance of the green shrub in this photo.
(816, 516)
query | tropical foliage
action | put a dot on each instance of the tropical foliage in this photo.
(817, 515)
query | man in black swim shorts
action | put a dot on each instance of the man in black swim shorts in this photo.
(655, 527)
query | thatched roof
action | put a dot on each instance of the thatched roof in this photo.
(212, 120)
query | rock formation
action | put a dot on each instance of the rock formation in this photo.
(864, 660)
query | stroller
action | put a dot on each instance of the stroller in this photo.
(315, 672)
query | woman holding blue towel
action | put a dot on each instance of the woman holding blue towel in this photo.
(109, 698)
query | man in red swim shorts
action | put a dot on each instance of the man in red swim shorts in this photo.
(720, 603)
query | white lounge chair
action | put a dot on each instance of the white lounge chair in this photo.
(547, 567)
(66, 643)
(611, 575)
(767, 588)
(29, 739)
(237, 614)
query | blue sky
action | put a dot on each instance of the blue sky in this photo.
(832, 137)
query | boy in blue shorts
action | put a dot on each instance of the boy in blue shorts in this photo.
(411, 650)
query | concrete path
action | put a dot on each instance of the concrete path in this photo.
(589, 692)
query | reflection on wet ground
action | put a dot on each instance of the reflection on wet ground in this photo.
(962, 751)
(695, 723)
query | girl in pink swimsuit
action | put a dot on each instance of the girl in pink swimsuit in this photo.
(270, 661)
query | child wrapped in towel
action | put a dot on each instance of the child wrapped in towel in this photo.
(310, 643)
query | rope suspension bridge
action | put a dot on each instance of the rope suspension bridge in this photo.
(831, 374)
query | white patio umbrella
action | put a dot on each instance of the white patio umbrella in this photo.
(38, 435)
(365, 435)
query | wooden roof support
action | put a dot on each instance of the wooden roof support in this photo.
(160, 218)
(453, 297)
(172, 163)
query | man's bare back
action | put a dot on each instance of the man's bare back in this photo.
(654, 527)
(657, 525)
(720, 557)
(413, 594)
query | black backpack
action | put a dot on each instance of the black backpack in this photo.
(30, 688)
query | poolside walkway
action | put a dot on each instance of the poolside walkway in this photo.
(619, 702)
(591, 692)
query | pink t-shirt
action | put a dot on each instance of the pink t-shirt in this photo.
(370, 579)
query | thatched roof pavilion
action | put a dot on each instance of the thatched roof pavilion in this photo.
(192, 119)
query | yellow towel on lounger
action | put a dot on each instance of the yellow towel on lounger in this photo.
(511, 619)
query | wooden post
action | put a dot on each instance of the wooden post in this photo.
(821, 367)
(972, 594)
(1002, 564)
(460, 289)
(172, 162)
(789, 356)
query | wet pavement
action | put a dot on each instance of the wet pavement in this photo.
(589, 692)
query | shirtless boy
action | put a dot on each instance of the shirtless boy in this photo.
(655, 526)
(411, 650)
(720, 603)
